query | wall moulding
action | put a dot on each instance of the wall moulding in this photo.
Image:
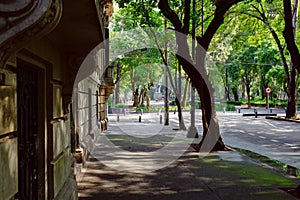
(23, 21)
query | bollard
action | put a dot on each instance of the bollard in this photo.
(255, 114)
(160, 119)
(118, 118)
(239, 110)
(140, 118)
(141, 111)
(271, 110)
(224, 110)
(291, 170)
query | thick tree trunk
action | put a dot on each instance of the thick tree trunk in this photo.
(288, 34)
(147, 99)
(235, 94)
(197, 72)
(291, 110)
(142, 97)
(136, 98)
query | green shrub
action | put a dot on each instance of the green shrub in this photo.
(119, 105)
(228, 107)
(140, 107)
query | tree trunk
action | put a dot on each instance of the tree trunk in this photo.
(180, 117)
(243, 91)
(178, 101)
(263, 89)
(291, 110)
(135, 91)
(117, 83)
(185, 94)
(227, 89)
(147, 99)
(117, 92)
(142, 97)
(235, 94)
(179, 84)
(211, 134)
(288, 34)
(248, 94)
(227, 94)
(136, 98)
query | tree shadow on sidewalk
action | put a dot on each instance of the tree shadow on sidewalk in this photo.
(187, 178)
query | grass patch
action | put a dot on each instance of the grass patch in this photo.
(263, 159)
(248, 173)
(262, 175)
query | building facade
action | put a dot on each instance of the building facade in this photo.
(43, 44)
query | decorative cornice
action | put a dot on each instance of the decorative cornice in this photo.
(21, 22)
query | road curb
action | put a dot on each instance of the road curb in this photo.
(266, 164)
(282, 119)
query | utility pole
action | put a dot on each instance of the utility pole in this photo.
(166, 78)
(192, 132)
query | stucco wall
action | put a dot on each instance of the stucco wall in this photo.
(42, 54)
(8, 125)
(87, 102)
(46, 50)
(8, 102)
(88, 125)
(8, 168)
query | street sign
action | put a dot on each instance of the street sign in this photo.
(268, 90)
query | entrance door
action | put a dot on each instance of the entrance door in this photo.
(27, 97)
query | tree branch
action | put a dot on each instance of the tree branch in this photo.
(187, 16)
(222, 7)
(170, 14)
(288, 34)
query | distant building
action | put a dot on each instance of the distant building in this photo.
(43, 43)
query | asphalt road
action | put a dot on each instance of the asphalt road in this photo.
(279, 140)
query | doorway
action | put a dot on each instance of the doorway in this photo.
(29, 132)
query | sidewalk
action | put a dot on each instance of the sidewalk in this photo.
(221, 175)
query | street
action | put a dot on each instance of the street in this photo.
(278, 140)
(138, 158)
